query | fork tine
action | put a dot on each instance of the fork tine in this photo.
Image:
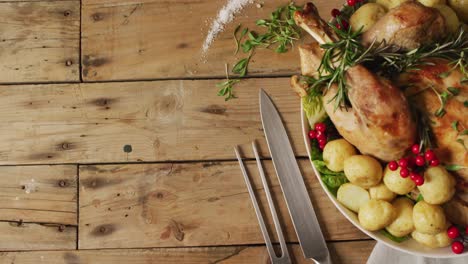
(279, 231)
(263, 228)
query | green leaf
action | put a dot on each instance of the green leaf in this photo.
(465, 103)
(241, 67)
(394, 238)
(247, 46)
(419, 198)
(444, 74)
(453, 90)
(440, 112)
(260, 22)
(321, 167)
(454, 125)
(241, 36)
(464, 132)
(454, 167)
(461, 142)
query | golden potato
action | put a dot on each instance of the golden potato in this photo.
(432, 3)
(381, 192)
(352, 196)
(366, 16)
(461, 8)
(451, 19)
(376, 214)
(363, 170)
(439, 185)
(428, 218)
(396, 183)
(390, 3)
(403, 224)
(335, 153)
(433, 241)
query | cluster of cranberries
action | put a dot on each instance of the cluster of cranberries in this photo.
(409, 164)
(341, 23)
(454, 233)
(319, 133)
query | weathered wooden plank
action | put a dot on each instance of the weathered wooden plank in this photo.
(147, 39)
(30, 236)
(355, 252)
(164, 120)
(39, 41)
(43, 194)
(180, 204)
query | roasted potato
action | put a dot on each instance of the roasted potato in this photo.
(439, 185)
(389, 4)
(396, 183)
(366, 16)
(461, 8)
(335, 153)
(403, 224)
(352, 196)
(451, 19)
(432, 3)
(363, 170)
(381, 192)
(428, 218)
(376, 214)
(433, 241)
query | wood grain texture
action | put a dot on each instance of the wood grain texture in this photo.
(180, 204)
(355, 252)
(39, 41)
(41, 194)
(147, 39)
(163, 120)
(30, 236)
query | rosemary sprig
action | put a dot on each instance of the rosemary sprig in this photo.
(425, 133)
(281, 30)
(225, 87)
(454, 48)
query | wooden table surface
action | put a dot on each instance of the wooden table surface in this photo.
(115, 148)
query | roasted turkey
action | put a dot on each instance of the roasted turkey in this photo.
(379, 122)
(407, 26)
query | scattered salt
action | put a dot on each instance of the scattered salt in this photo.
(225, 15)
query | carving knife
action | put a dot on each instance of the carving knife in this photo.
(292, 184)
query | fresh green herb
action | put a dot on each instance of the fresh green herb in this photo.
(225, 87)
(454, 91)
(443, 98)
(454, 125)
(338, 57)
(453, 49)
(394, 238)
(462, 143)
(454, 167)
(419, 198)
(464, 132)
(241, 66)
(465, 103)
(321, 167)
(425, 133)
(238, 39)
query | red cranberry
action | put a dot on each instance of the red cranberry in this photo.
(393, 165)
(457, 247)
(415, 149)
(434, 162)
(420, 161)
(404, 172)
(453, 232)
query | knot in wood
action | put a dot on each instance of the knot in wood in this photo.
(68, 63)
(67, 13)
(61, 228)
(62, 183)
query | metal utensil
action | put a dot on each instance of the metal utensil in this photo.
(284, 258)
(292, 184)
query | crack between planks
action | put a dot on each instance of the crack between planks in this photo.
(235, 253)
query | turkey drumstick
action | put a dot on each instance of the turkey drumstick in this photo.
(379, 122)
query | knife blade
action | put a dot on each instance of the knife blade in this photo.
(292, 184)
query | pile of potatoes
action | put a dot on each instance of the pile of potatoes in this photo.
(377, 195)
(455, 12)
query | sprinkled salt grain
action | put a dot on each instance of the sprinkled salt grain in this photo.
(225, 15)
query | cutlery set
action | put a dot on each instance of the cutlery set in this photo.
(294, 190)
